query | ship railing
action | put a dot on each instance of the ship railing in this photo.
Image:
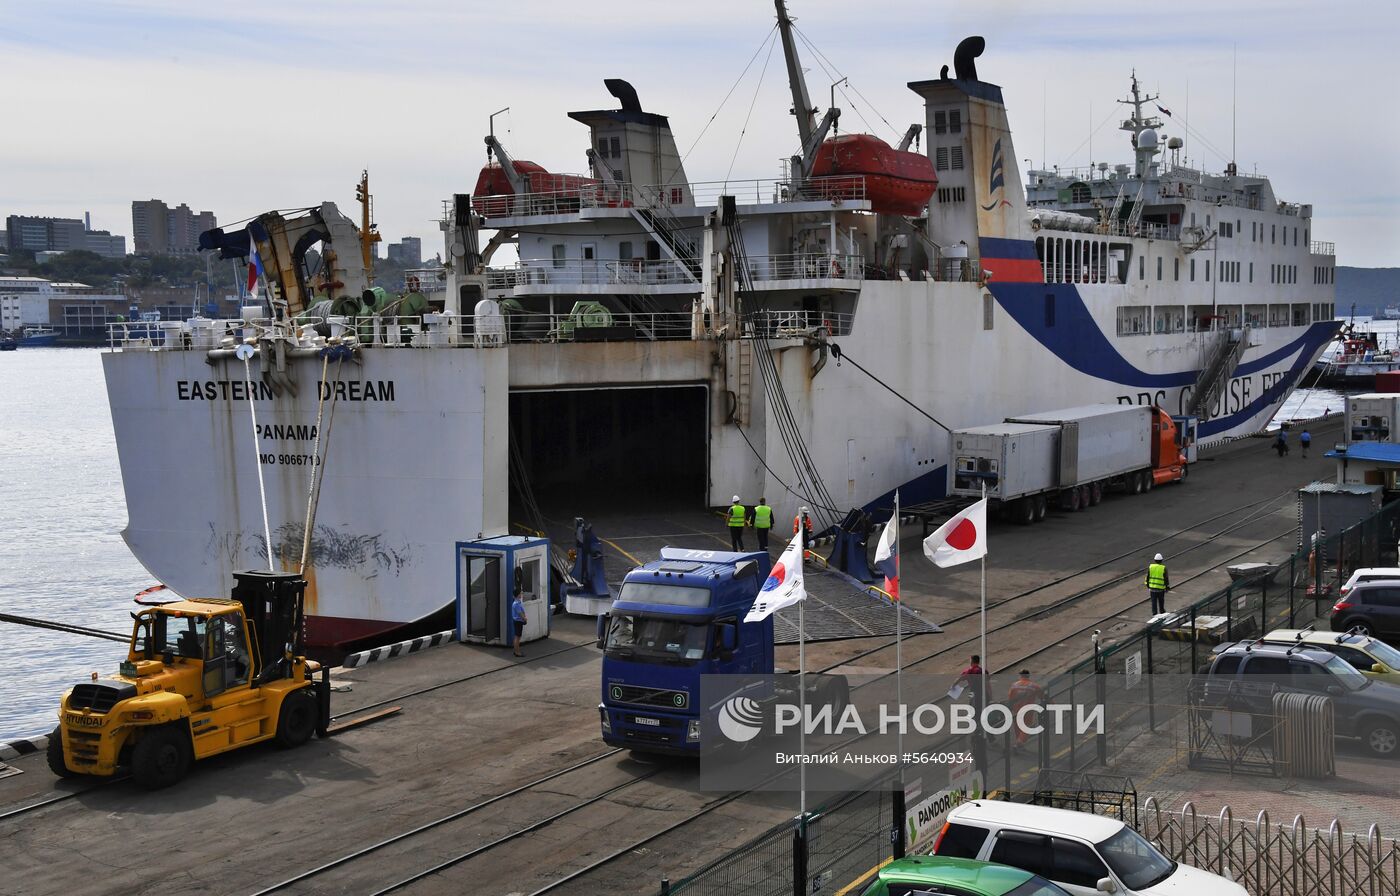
(1318, 247)
(806, 266)
(574, 198)
(1143, 229)
(585, 322)
(635, 272)
(794, 324)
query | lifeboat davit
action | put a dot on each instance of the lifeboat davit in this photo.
(563, 190)
(897, 182)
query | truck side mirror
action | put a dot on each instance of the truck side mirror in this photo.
(746, 569)
(727, 637)
(602, 629)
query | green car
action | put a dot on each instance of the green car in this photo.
(946, 876)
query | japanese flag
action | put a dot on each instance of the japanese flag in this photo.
(784, 585)
(961, 539)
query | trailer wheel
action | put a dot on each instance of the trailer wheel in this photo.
(1042, 508)
(297, 720)
(1023, 511)
(162, 756)
(1069, 500)
(57, 764)
(1085, 497)
(1096, 493)
(1134, 483)
(1147, 480)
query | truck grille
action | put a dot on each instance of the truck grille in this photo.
(639, 696)
(100, 696)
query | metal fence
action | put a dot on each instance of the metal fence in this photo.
(854, 832)
(1278, 859)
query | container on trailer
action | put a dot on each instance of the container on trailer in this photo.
(1099, 442)
(1011, 459)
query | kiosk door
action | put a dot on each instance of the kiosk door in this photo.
(483, 575)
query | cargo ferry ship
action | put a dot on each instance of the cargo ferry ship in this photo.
(810, 338)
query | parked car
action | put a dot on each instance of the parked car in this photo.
(1084, 854)
(1364, 709)
(939, 876)
(1371, 657)
(1369, 608)
(1369, 574)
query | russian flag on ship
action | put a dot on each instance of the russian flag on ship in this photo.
(255, 268)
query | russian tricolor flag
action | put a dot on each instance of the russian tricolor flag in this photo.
(255, 267)
(887, 553)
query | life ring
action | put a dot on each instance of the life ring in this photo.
(413, 284)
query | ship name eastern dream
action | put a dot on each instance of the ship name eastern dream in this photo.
(813, 337)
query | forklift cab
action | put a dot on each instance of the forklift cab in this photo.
(490, 573)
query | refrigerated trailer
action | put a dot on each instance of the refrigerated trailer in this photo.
(1069, 457)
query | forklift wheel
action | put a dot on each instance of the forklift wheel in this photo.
(297, 720)
(162, 756)
(57, 764)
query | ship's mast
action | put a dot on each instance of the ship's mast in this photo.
(368, 235)
(1139, 124)
(809, 131)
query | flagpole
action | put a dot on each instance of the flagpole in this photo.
(898, 640)
(985, 659)
(802, 701)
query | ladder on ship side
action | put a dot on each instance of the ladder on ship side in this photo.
(744, 406)
(1224, 358)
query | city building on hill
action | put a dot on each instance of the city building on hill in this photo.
(44, 234)
(158, 229)
(407, 252)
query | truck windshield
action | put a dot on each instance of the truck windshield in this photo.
(651, 638)
(669, 595)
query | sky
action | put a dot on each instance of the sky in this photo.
(258, 105)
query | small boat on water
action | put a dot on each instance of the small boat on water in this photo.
(1355, 361)
(1391, 312)
(39, 337)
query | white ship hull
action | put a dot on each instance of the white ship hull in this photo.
(416, 453)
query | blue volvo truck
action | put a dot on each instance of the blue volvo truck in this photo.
(674, 620)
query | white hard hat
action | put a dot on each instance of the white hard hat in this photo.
(736, 499)
(803, 510)
(1158, 558)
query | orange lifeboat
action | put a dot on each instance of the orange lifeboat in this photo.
(897, 182)
(552, 193)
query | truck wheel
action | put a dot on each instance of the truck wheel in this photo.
(1381, 738)
(162, 756)
(1135, 483)
(57, 764)
(1042, 508)
(1069, 500)
(1023, 511)
(1148, 481)
(1085, 497)
(297, 720)
(1096, 493)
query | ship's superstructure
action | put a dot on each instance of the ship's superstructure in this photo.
(810, 339)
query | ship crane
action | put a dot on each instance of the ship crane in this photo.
(809, 130)
(518, 184)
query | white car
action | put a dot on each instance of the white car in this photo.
(1370, 574)
(1086, 854)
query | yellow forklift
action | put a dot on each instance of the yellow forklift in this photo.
(202, 677)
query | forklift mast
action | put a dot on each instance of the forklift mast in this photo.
(272, 603)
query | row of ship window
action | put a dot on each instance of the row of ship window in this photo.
(1144, 320)
(1068, 260)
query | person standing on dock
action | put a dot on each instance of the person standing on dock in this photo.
(1024, 692)
(1158, 584)
(1305, 439)
(738, 516)
(1281, 443)
(762, 518)
(517, 615)
(803, 523)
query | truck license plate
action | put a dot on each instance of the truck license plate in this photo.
(640, 720)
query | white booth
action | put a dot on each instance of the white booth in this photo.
(489, 573)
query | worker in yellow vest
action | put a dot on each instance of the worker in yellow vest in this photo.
(1157, 584)
(762, 518)
(738, 517)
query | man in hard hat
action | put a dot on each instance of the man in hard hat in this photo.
(738, 515)
(762, 522)
(1157, 584)
(803, 523)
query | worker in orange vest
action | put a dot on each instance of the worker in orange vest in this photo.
(803, 523)
(1023, 693)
